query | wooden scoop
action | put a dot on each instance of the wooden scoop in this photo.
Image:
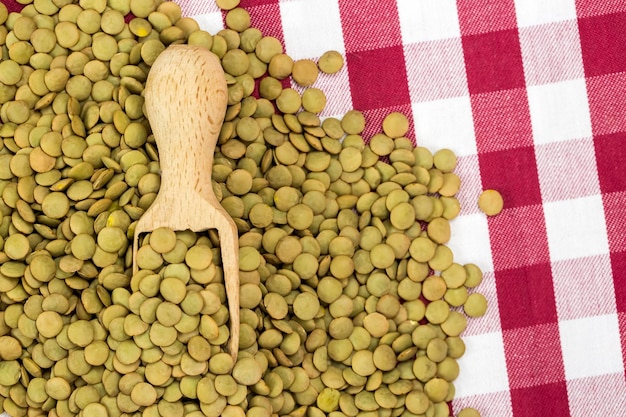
(186, 100)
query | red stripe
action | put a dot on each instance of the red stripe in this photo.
(480, 16)
(526, 296)
(594, 8)
(13, 5)
(513, 172)
(265, 16)
(607, 103)
(378, 78)
(502, 120)
(369, 24)
(602, 40)
(518, 238)
(544, 400)
(493, 61)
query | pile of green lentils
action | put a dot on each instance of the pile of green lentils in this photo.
(351, 302)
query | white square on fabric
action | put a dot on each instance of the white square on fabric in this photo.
(469, 240)
(596, 396)
(537, 12)
(483, 366)
(591, 346)
(436, 69)
(551, 53)
(575, 228)
(311, 28)
(211, 22)
(428, 20)
(558, 163)
(582, 295)
(559, 111)
(445, 123)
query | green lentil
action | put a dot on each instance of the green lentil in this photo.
(490, 202)
(330, 62)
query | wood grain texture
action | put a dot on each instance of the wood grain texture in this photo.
(186, 98)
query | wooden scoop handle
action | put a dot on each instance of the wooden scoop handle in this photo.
(186, 98)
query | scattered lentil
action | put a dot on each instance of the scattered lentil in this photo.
(490, 202)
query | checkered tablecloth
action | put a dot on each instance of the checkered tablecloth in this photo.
(531, 94)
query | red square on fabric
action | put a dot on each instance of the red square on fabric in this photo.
(544, 400)
(611, 160)
(478, 16)
(615, 219)
(265, 16)
(513, 173)
(365, 27)
(618, 265)
(252, 3)
(525, 296)
(502, 120)
(586, 8)
(378, 78)
(511, 232)
(493, 61)
(12, 5)
(533, 359)
(602, 40)
(607, 103)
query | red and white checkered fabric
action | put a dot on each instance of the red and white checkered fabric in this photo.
(531, 94)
